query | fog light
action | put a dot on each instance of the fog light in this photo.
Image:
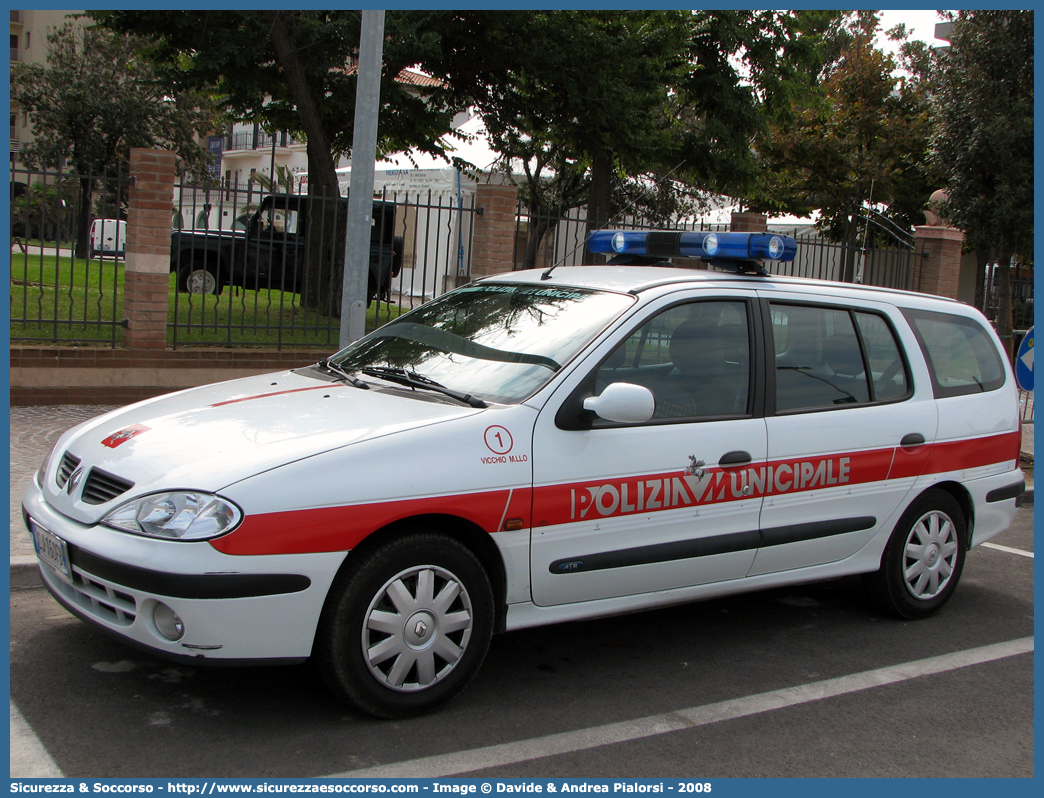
(168, 623)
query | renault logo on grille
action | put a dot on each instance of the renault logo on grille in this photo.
(73, 481)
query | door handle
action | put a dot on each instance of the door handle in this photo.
(734, 458)
(911, 440)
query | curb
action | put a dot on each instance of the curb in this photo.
(24, 572)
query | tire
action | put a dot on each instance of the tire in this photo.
(398, 252)
(923, 560)
(406, 627)
(196, 279)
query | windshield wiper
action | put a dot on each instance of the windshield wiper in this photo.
(415, 380)
(344, 375)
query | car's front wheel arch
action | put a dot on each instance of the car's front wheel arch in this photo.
(407, 622)
(477, 540)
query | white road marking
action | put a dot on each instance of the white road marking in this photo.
(29, 759)
(1008, 549)
(626, 731)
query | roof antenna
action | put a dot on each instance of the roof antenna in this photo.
(547, 274)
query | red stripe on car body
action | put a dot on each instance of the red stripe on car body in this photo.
(328, 529)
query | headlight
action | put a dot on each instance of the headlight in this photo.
(180, 515)
(46, 462)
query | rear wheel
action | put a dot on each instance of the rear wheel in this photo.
(407, 626)
(198, 279)
(923, 560)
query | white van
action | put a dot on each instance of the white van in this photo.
(108, 237)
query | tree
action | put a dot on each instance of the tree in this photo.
(582, 101)
(38, 213)
(856, 135)
(92, 101)
(294, 71)
(983, 139)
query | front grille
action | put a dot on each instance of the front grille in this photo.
(65, 469)
(101, 487)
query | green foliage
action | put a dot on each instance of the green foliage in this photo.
(283, 181)
(95, 98)
(231, 54)
(610, 108)
(856, 133)
(40, 212)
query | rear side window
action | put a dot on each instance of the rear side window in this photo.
(961, 355)
(830, 357)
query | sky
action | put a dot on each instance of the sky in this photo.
(921, 23)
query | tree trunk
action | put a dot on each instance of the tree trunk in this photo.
(848, 271)
(323, 270)
(82, 248)
(598, 201)
(540, 223)
(982, 260)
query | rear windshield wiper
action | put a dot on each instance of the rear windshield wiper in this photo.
(415, 380)
(344, 375)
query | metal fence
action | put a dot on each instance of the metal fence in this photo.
(66, 284)
(1021, 279)
(542, 241)
(562, 238)
(275, 281)
(887, 267)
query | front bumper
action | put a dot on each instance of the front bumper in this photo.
(235, 609)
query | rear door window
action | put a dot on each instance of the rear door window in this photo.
(831, 357)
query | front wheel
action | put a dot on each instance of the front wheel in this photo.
(923, 560)
(407, 626)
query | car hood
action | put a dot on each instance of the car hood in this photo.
(210, 437)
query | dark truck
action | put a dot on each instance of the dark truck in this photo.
(270, 252)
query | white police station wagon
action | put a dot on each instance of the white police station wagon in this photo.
(535, 448)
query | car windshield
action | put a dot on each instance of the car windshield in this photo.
(496, 341)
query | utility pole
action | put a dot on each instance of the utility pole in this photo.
(360, 190)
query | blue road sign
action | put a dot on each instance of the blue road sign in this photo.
(1024, 363)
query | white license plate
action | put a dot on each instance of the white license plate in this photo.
(52, 551)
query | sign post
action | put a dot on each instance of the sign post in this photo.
(360, 190)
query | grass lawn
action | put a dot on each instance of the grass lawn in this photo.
(81, 301)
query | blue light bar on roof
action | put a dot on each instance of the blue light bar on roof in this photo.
(682, 244)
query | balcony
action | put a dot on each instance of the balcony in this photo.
(258, 140)
(16, 17)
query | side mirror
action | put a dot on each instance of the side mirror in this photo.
(623, 402)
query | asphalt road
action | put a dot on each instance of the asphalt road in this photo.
(795, 682)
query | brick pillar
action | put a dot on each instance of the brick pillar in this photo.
(493, 241)
(746, 222)
(147, 264)
(941, 270)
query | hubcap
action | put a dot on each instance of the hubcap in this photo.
(201, 282)
(417, 628)
(930, 555)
